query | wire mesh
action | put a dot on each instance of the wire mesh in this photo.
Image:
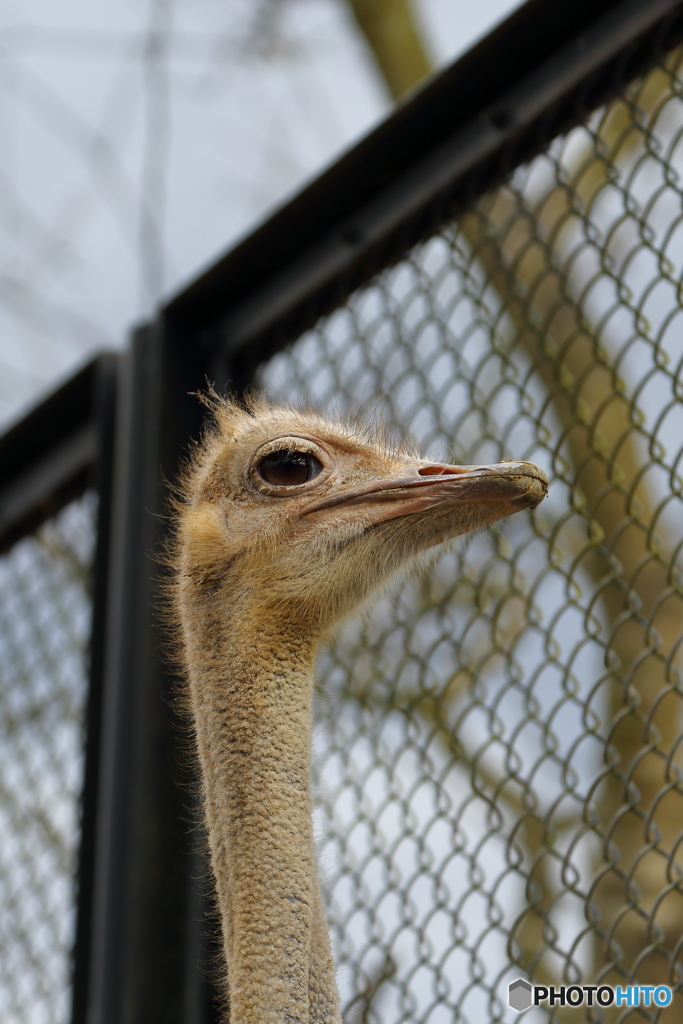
(44, 630)
(499, 747)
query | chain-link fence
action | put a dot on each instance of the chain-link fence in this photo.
(500, 746)
(45, 616)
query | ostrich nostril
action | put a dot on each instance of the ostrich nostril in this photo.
(441, 470)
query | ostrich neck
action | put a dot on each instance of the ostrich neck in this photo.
(251, 687)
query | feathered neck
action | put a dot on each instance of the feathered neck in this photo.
(251, 687)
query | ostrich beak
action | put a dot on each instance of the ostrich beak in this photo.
(511, 485)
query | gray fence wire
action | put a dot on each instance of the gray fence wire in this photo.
(44, 630)
(500, 745)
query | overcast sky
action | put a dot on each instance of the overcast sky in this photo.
(141, 139)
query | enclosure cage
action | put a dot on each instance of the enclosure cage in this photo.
(495, 270)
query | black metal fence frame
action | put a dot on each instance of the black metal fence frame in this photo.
(62, 448)
(123, 424)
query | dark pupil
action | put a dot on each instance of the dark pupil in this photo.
(286, 468)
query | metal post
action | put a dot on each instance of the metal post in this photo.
(104, 394)
(140, 967)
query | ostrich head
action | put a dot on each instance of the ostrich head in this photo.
(292, 511)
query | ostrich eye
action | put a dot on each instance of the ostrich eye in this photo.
(287, 468)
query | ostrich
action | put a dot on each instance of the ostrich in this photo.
(288, 522)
